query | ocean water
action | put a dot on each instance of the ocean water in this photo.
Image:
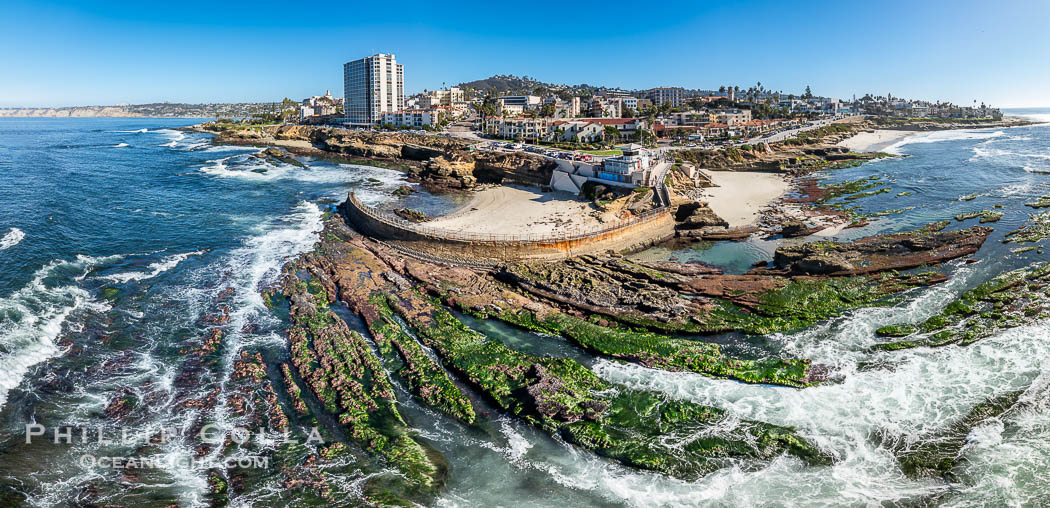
(117, 236)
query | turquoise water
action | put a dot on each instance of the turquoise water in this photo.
(118, 235)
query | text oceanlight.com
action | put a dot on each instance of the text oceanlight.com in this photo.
(171, 462)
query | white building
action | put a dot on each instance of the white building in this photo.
(731, 117)
(603, 107)
(564, 108)
(373, 85)
(412, 118)
(530, 129)
(577, 131)
(674, 95)
(629, 167)
(452, 97)
(525, 101)
(320, 105)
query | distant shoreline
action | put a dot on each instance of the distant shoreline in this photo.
(88, 117)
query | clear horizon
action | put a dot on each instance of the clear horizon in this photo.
(90, 53)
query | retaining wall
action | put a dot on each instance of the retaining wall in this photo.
(641, 232)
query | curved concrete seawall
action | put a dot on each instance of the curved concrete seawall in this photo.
(640, 232)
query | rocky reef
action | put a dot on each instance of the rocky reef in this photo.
(414, 337)
(1010, 300)
(897, 251)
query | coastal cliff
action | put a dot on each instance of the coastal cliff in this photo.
(438, 162)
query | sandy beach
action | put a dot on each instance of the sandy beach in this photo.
(875, 141)
(519, 210)
(740, 195)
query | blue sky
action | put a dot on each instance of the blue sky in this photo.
(79, 53)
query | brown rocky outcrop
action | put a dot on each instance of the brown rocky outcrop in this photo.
(899, 251)
(797, 228)
(696, 215)
(495, 167)
(450, 171)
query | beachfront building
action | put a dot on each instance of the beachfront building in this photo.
(629, 167)
(412, 118)
(373, 85)
(663, 94)
(525, 129)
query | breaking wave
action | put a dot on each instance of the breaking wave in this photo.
(373, 184)
(32, 317)
(939, 136)
(154, 269)
(12, 238)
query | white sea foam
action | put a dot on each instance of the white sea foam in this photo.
(172, 134)
(374, 183)
(1036, 168)
(918, 396)
(138, 131)
(517, 445)
(998, 153)
(154, 269)
(12, 238)
(939, 136)
(120, 145)
(32, 317)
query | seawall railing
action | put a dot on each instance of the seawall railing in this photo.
(574, 234)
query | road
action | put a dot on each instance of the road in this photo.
(781, 136)
(464, 128)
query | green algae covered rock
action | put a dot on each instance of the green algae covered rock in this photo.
(638, 428)
(425, 378)
(340, 369)
(895, 331)
(1009, 300)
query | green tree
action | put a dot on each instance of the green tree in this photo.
(611, 134)
(289, 110)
